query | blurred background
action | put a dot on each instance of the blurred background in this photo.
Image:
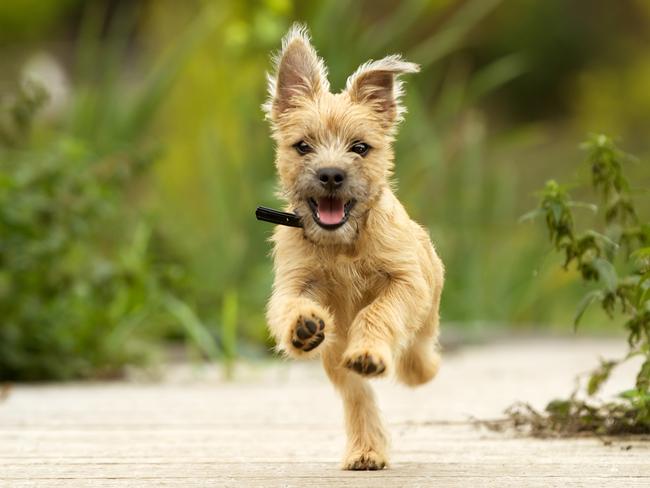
(133, 153)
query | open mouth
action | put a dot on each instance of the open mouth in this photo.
(330, 212)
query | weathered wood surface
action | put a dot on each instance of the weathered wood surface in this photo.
(280, 425)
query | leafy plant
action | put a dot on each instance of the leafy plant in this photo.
(68, 300)
(617, 261)
(88, 282)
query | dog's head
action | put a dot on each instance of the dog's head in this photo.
(334, 151)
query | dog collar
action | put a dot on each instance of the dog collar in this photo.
(276, 217)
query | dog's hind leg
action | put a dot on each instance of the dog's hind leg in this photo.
(367, 439)
(420, 361)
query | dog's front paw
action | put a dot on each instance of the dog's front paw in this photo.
(366, 362)
(307, 327)
(366, 460)
(308, 332)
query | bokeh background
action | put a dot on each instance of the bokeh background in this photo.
(133, 153)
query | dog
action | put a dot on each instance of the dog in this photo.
(359, 284)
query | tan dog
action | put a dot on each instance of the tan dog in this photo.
(360, 283)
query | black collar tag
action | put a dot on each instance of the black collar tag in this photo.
(277, 217)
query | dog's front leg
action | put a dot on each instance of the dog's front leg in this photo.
(296, 319)
(386, 324)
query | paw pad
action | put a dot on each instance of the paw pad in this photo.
(308, 333)
(366, 463)
(366, 364)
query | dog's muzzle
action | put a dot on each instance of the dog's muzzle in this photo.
(330, 212)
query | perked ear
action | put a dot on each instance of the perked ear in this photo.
(377, 84)
(299, 73)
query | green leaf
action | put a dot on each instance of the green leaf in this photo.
(559, 408)
(629, 394)
(533, 214)
(587, 300)
(610, 243)
(635, 395)
(606, 273)
(195, 329)
(600, 375)
(643, 377)
(557, 209)
(588, 206)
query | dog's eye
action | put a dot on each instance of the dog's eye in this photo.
(302, 148)
(361, 148)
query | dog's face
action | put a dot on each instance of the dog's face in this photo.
(334, 151)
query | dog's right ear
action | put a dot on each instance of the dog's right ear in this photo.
(299, 74)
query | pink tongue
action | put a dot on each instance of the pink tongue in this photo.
(330, 210)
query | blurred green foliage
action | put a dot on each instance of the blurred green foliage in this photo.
(87, 283)
(29, 20)
(218, 166)
(505, 87)
(78, 281)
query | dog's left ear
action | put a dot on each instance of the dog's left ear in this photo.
(377, 84)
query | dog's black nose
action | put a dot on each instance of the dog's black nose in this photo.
(331, 178)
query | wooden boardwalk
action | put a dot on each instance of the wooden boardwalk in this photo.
(281, 425)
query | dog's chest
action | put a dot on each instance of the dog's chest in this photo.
(353, 282)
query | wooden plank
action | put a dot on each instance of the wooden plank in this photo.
(281, 425)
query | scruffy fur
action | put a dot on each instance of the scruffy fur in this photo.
(363, 297)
